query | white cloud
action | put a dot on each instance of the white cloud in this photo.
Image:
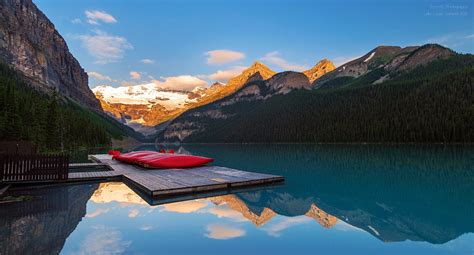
(185, 207)
(182, 82)
(104, 240)
(444, 39)
(452, 40)
(338, 61)
(223, 232)
(76, 21)
(226, 212)
(99, 76)
(223, 56)
(277, 228)
(275, 58)
(95, 17)
(105, 48)
(147, 61)
(225, 75)
(133, 213)
(146, 227)
(97, 212)
(135, 75)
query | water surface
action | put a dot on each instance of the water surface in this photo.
(336, 200)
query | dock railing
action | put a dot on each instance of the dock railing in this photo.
(34, 167)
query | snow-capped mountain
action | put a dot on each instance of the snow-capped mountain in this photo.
(148, 104)
(145, 94)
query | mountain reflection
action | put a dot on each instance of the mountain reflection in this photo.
(395, 193)
(42, 224)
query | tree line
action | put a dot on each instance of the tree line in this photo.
(431, 104)
(50, 122)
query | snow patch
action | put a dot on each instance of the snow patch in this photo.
(370, 57)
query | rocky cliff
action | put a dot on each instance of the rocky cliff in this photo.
(30, 44)
(381, 64)
(322, 67)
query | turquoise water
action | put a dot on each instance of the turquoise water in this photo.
(337, 199)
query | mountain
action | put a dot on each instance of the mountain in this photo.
(149, 105)
(31, 45)
(44, 91)
(381, 64)
(255, 85)
(322, 67)
(426, 96)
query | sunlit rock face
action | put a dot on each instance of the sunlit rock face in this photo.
(324, 219)
(238, 205)
(116, 192)
(30, 44)
(322, 67)
(42, 224)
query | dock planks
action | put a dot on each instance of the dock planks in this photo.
(170, 182)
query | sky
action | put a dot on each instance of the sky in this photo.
(182, 44)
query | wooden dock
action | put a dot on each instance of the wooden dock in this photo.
(171, 182)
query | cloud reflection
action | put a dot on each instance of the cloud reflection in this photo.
(223, 232)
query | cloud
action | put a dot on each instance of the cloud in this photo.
(133, 213)
(225, 75)
(445, 39)
(452, 40)
(275, 58)
(338, 61)
(76, 21)
(223, 56)
(344, 226)
(104, 240)
(99, 76)
(226, 212)
(276, 229)
(135, 75)
(95, 17)
(185, 207)
(223, 232)
(97, 212)
(105, 48)
(146, 228)
(182, 82)
(147, 61)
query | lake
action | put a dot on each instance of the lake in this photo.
(336, 199)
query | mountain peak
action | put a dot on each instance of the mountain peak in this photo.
(322, 67)
(258, 66)
(256, 63)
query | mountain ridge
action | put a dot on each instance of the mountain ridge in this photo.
(150, 113)
(239, 119)
(255, 89)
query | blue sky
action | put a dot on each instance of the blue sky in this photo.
(180, 43)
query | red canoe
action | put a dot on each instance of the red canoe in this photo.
(173, 161)
(134, 156)
(153, 159)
